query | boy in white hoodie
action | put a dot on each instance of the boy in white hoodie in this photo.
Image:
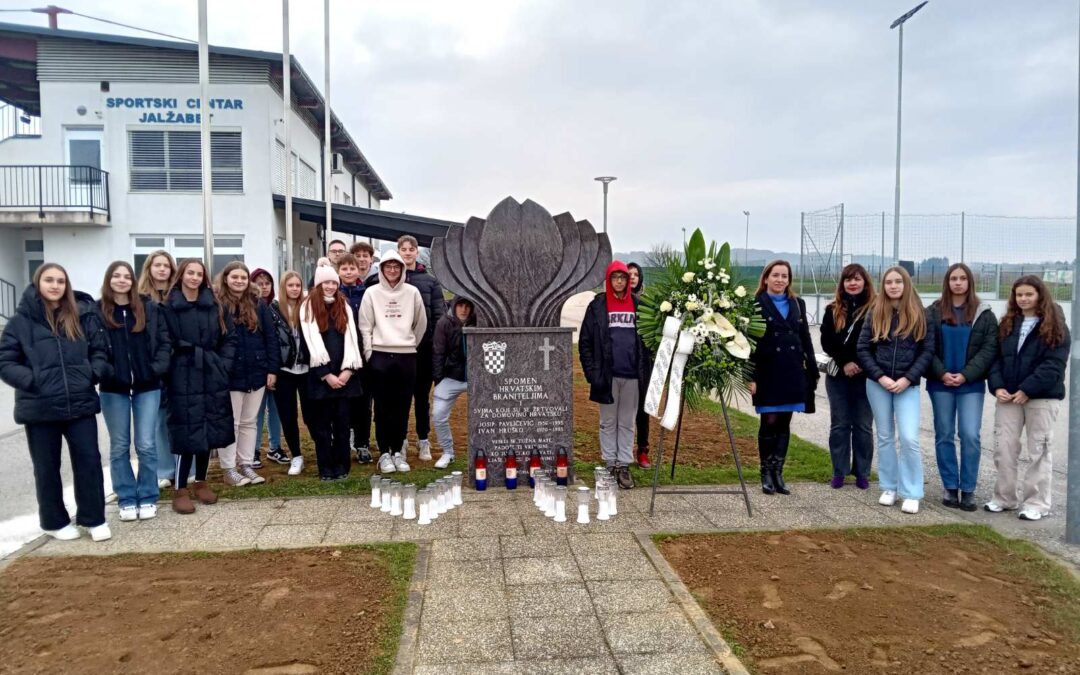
(392, 324)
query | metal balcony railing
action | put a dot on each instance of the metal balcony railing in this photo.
(54, 187)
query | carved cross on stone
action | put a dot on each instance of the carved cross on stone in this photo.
(547, 349)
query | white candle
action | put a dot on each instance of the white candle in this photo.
(385, 501)
(602, 510)
(583, 513)
(409, 509)
(560, 511)
(395, 505)
(376, 498)
(613, 508)
(425, 517)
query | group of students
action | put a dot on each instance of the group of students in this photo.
(881, 345)
(195, 367)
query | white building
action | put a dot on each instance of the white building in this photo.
(100, 159)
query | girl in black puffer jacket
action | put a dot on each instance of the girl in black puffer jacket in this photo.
(52, 353)
(199, 410)
(895, 349)
(139, 353)
(254, 370)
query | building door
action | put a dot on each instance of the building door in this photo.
(83, 157)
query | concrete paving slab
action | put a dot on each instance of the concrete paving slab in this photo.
(224, 536)
(596, 665)
(302, 511)
(534, 546)
(466, 642)
(149, 540)
(614, 566)
(677, 521)
(408, 530)
(551, 638)
(651, 632)
(461, 573)
(620, 597)
(81, 546)
(536, 600)
(466, 603)
(541, 571)
(604, 542)
(665, 664)
(228, 515)
(490, 527)
(357, 510)
(291, 536)
(358, 533)
(473, 548)
(167, 518)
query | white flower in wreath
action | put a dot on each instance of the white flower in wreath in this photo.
(665, 307)
(699, 340)
(721, 326)
(740, 292)
(692, 306)
(744, 320)
(677, 314)
(688, 277)
(726, 278)
(711, 275)
(724, 302)
(709, 264)
(739, 346)
(692, 297)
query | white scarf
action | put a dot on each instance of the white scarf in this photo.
(317, 350)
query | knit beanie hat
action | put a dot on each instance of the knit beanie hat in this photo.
(325, 274)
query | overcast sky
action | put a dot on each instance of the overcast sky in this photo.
(702, 109)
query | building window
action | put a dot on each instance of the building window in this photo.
(226, 248)
(170, 161)
(305, 177)
(34, 256)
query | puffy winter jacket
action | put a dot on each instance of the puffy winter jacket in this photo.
(448, 350)
(1036, 369)
(257, 353)
(981, 348)
(894, 357)
(146, 369)
(53, 376)
(199, 408)
(292, 349)
(431, 292)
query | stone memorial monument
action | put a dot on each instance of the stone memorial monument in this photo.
(518, 267)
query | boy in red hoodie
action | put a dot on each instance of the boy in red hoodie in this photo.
(613, 358)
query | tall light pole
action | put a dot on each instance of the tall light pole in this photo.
(605, 180)
(899, 98)
(327, 175)
(286, 85)
(204, 141)
(746, 244)
(1072, 480)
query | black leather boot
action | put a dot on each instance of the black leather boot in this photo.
(765, 453)
(779, 457)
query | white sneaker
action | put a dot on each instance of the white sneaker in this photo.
(910, 506)
(888, 498)
(296, 465)
(444, 461)
(248, 472)
(147, 511)
(101, 532)
(164, 483)
(1030, 514)
(65, 533)
(993, 507)
(386, 465)
(129, 513)
(400, 464)
(425, 450)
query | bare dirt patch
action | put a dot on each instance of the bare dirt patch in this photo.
(912, 600)
(297, 611)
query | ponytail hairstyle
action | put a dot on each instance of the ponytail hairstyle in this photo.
(971, 299)
(1051, 317)
(321, 312)
(66, 316)
(108, 299)
(912, 315)
(763, 281)
(146, 279)
(243, 307)
(178, 283)
(290, 309)
(839, 308)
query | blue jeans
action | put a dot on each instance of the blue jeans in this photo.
(899, 470)
(165, 459)
(118, 410)
(268, 403)
(949, 408)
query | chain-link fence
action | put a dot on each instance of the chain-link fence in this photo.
(999, 249)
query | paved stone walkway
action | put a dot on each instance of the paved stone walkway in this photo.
(500, 588)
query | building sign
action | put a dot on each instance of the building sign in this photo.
(160, 110)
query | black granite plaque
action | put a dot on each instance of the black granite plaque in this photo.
(520, 398)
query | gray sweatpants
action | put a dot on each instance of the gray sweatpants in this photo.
(617, 423)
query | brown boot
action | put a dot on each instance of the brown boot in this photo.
(181, 501)
(203, 492)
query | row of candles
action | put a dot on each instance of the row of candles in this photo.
(423, 505)
(550, 497)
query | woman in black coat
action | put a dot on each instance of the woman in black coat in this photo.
(52, 353)
(785, 371)
(329, 330)
(851, 437)
(199, 410)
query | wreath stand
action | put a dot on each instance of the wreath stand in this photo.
(656, 490)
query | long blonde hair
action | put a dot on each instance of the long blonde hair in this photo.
(146, 280)
(909, 307)
(66, 317)
(290, 309)
(243, 308)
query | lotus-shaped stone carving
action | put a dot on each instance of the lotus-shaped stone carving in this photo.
(520, 264)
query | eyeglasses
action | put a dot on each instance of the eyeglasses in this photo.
(337, 250)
